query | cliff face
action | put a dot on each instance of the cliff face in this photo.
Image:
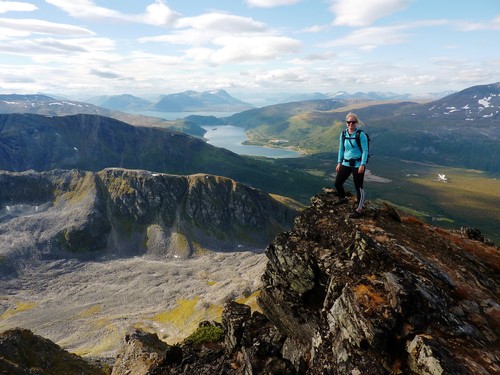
(125, 212)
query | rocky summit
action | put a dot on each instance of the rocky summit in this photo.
(383, 294)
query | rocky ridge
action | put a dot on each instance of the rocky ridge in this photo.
(380, 295)
(384, 294)
(130, 212)
(94, 142)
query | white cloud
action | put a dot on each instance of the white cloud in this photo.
(271, 3)
(50, 49)
(315, 29)
(109, 74)
(229, 49)
(474, 26)
(208, 48)
(244, 49)
(84, 9)
(184, 37)
(219, 38)
(136, 60)
(372, 37)
(34, 26)
(200, 30)
(364, 12)
(8, 33)
(221, 22)
(158, 14)
(282, 75)
(203, 29)
(314, 58)
(15, 6)
(42, 46)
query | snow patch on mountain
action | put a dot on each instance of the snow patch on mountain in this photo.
(485, 102)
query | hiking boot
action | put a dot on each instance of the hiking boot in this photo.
(340, 201)
(355, 215)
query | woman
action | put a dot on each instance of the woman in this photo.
(352, 159)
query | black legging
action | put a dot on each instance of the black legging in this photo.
(342, 175)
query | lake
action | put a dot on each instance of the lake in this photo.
(231, 138)
(227, 136)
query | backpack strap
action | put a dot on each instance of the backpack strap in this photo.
(358, 140)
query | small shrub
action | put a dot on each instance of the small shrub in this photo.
(206, 334)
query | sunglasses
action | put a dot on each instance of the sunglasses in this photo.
(351, 122)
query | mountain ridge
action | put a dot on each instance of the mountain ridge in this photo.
(116, 211)
(93, 142)
(193, 101)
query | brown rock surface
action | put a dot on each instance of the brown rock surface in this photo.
(23, 353)
(382, 295)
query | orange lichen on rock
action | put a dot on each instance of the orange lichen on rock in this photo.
(368, 296)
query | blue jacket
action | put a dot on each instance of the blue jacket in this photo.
(350, 150)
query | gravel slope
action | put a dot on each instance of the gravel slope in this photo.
(86, 307)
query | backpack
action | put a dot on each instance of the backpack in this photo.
(358, 141)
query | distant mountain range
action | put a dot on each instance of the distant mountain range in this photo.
(49, 106)
(459, 130)
(221, 101)
(194, 101)
(365, 96)
(187, 101)
(125, 102)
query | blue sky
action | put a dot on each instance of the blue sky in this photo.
(251, 48)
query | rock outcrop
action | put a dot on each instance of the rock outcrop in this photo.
(23, 353)
(140, 354)
(131, 212)
(252, 345)
(383, 294)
